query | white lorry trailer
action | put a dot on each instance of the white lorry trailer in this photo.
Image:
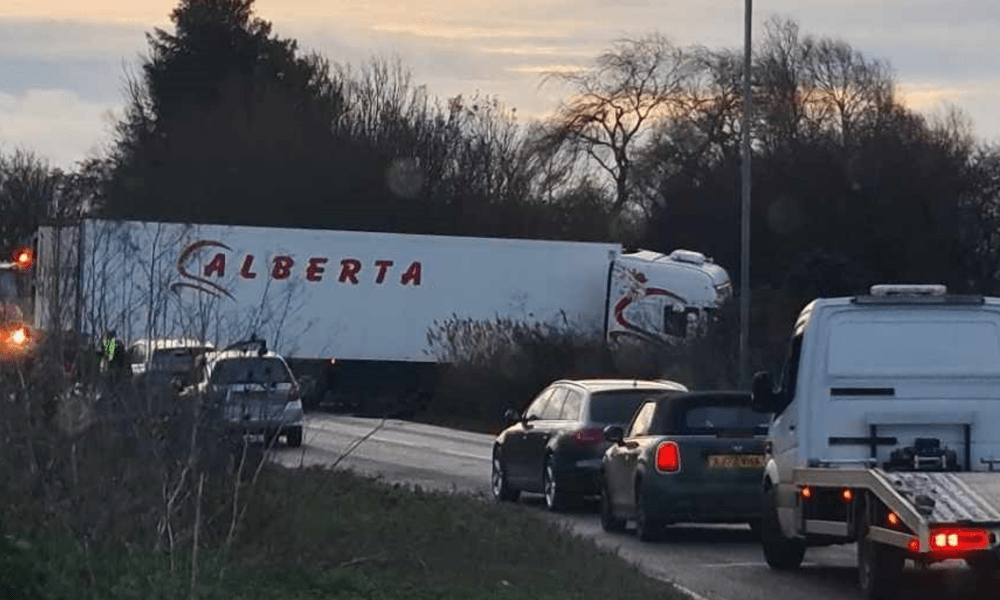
(884, 433)
(357, 306)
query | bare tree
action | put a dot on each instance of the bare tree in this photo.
(635, 84)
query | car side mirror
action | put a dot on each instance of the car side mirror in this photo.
(614, 434)
(510, 416)
(763, 398)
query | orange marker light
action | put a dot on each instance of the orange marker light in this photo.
(806, 492)
(24, 259)
(847, 495)
(893, 519)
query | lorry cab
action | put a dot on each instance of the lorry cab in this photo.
(663, 298)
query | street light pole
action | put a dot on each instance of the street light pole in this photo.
(745, 180)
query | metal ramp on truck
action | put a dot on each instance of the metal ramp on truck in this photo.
(922, 502)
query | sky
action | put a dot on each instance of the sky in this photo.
(63, 62)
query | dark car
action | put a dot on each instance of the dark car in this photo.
(555, 446)
(696, 457)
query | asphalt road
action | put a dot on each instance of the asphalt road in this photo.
(714, 562)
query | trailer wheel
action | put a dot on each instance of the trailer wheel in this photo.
(781, 553)
(880, 566)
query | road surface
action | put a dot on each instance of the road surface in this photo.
(714, 562)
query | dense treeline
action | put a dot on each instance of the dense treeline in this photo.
(228, 122)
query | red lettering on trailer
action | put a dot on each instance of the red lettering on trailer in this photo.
(315, 269)
(412, 274)
(383, 267)
(282, 267)
(245, 271)
(216, 266)
(349, 268)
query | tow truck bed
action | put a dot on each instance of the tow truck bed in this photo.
(959, 498)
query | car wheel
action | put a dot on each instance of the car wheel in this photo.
(555, 498)
(609, 522)
(880, 566)
(781, 553)
(502, 492)
(647, 529)
(294, 437)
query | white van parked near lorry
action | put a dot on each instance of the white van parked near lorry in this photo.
(885, 433)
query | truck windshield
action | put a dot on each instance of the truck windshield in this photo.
(250, 370)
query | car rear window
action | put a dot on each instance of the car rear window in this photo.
(250, 370)
(178, 361)
(711, 419)
(618, 406)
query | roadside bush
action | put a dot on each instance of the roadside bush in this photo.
(105, 468)
(488, 366)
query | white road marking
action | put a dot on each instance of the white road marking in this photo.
(689, 593)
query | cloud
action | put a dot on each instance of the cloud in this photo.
(55, 124)
(543, 69)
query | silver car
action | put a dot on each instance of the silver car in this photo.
(254, 393)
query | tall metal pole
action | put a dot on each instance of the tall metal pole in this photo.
(745, 180)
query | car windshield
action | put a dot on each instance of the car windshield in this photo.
(711, 419)
(617, 407)
(250, 370)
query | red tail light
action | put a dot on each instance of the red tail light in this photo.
(589, 437)
(668, 457)
(959, 540)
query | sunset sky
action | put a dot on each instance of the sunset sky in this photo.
(62, 62)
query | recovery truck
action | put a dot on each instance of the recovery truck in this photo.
(884, 433)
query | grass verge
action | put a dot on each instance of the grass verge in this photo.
(312, 533)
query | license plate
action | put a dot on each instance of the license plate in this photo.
(735, 461)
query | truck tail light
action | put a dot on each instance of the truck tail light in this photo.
(668, 457)
(847, 495)
(588, 437)
(806, 493)
(892, 519)
(959, 540)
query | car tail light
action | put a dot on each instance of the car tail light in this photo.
(959, 540)
(589, 437)
(668, 457)
(293, 393)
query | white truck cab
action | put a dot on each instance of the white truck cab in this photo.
(884, 433)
